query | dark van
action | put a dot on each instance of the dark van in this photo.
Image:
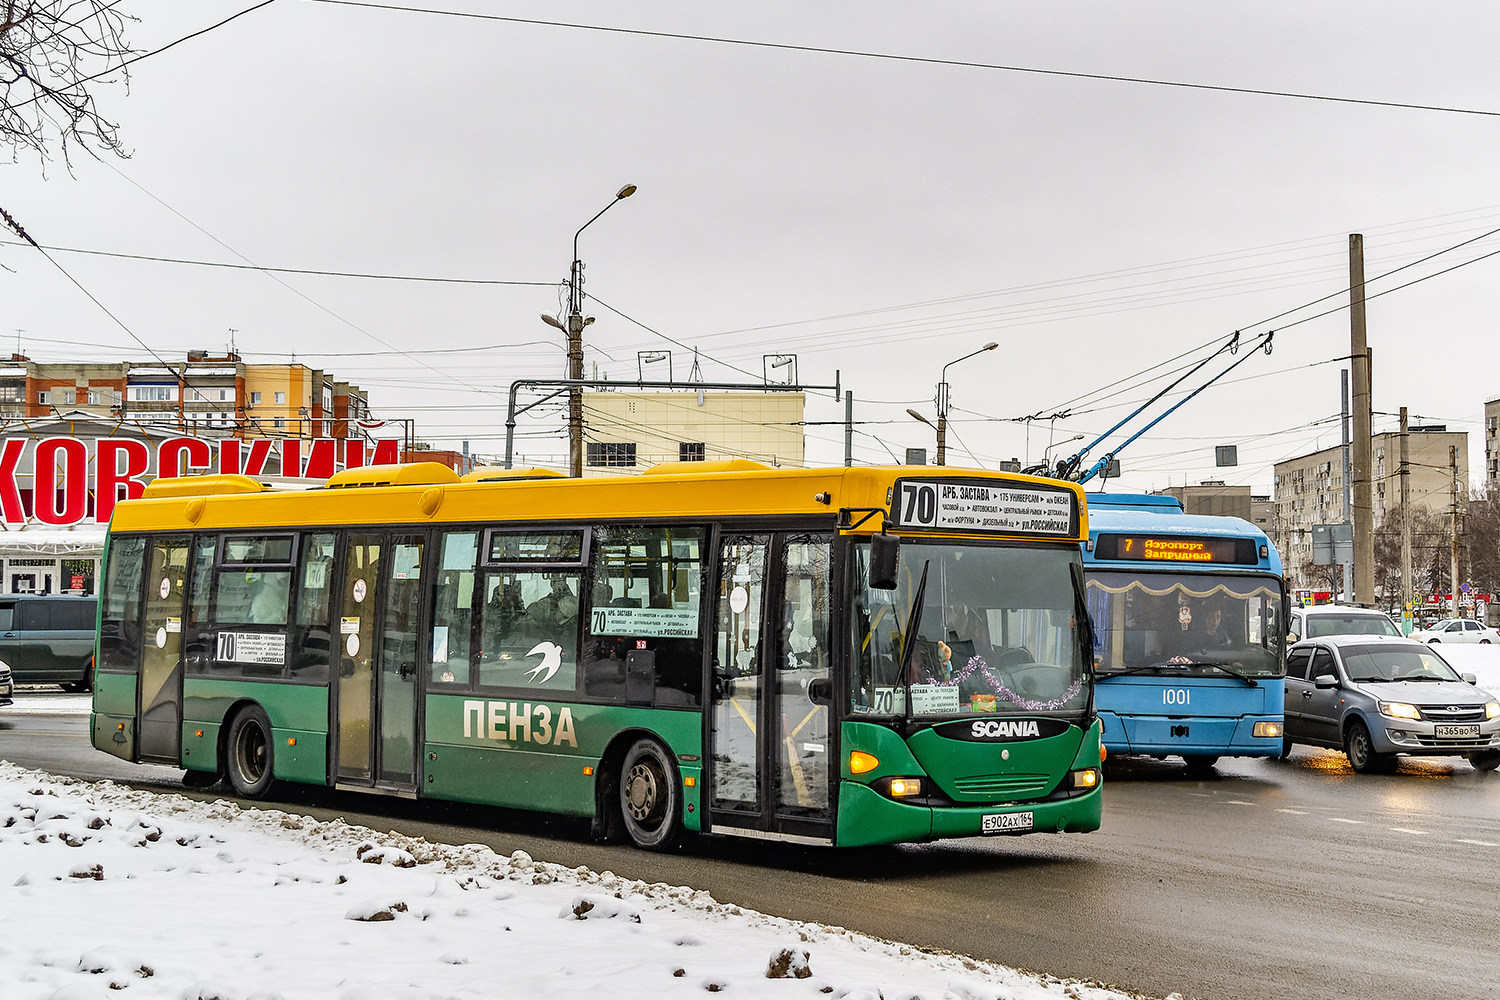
(49, 639)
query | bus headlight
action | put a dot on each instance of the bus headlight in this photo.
(1267, 730)
(1086, 778)
(1399, 710)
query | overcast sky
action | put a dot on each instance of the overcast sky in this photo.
(877, 218)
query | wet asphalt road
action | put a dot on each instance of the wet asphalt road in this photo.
(1277, 879)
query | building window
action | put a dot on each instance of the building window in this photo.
(44, 398)
(690, 451)
(153, 393)
(611, 453)
(12, 394)
(280, 423)
(281, 397)
(255, 399)
(96, 398)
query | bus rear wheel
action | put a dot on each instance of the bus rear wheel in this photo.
(649, 800)
(250, 754)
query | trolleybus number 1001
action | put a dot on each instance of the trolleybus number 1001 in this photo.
(1176, 696)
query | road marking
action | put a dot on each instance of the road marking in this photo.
(1402, 829)
(1340, 819)
(1294, 812)
(1476, 843)
(1238, 802)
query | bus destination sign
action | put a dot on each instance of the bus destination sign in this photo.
(958, 505)
(1176, 548)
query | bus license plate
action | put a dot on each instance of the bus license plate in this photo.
(1455, 731)
(1006, 822)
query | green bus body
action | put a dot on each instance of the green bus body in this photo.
(838, 759)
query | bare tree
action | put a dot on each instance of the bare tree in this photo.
(53, 56)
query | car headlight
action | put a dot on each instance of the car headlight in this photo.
(1492, 709)
(1399, 710)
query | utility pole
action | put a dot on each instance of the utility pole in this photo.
(1453, 538)
(848, 427)
(1346, 571)
(1407, 590)
(1364, 513)
(574, 329)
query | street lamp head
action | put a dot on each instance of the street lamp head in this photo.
(990, 346)
(553, 321)
(919, 416)
(625, 192)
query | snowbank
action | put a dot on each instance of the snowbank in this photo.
(115, 892)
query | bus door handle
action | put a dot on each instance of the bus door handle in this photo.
(407, 670)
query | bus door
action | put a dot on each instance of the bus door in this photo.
(375, 708)
(160, 693)
(769, 771)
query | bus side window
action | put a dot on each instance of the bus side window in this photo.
(643, 643)
(453, 608)
(120, 618)
(198, 630)
(308, 656)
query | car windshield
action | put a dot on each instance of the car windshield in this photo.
(997, 632)
(1376, 664)
(1186, 623)
(1352, 623)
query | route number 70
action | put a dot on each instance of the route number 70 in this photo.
(918, 503)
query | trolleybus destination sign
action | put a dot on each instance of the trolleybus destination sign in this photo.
(976, 505)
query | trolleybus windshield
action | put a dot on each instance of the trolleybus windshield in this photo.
(1186, 623)
(997, 631)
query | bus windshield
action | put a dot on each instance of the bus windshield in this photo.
(1195, 623)
(997, 632)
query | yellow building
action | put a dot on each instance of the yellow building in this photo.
(287, 400)
(626, 432)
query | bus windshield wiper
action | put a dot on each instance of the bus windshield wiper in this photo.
(908, 641)
(1105, 675)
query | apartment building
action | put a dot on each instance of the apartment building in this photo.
(1309, 489)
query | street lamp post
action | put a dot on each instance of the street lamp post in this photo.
(942, 402)
(574, 329)
(1046, 460)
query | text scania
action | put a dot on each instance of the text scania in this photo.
(518, 722)
(1009, 729)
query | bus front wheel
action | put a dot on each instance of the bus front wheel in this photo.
(250, 754)
(649, 800)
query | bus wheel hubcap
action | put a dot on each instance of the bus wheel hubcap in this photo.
(640, 792)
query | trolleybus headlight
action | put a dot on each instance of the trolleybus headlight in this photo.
(1087, 778)
(1399, 710)
(1492, 709)
(1268, 730)
(901, 788)
(862, 763)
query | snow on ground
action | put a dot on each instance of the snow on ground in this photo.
(1483, 661)
(114, 892)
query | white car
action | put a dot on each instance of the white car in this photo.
(1457, 630)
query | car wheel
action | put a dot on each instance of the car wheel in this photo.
(649, 800)
(1200, 764)
(1433, 642)
(1486, 761)
(250, 757)
(1484, 642)
(1360, 750)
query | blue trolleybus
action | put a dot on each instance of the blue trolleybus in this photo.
(1188, 631)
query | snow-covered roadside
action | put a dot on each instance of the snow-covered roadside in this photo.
(114, 892)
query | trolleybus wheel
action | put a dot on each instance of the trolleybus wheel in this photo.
(649, 800)
(1360, 750)
(250, 755)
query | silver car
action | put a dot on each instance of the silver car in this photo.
(1375, 697)
(7, 685)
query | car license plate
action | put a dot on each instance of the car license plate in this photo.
(1006, 822)
(1455, 731)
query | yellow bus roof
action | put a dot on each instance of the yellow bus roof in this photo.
(429, 493)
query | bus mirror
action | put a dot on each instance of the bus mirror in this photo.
(885, 555)
(820, 691)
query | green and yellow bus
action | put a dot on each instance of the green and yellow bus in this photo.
(832, 656)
